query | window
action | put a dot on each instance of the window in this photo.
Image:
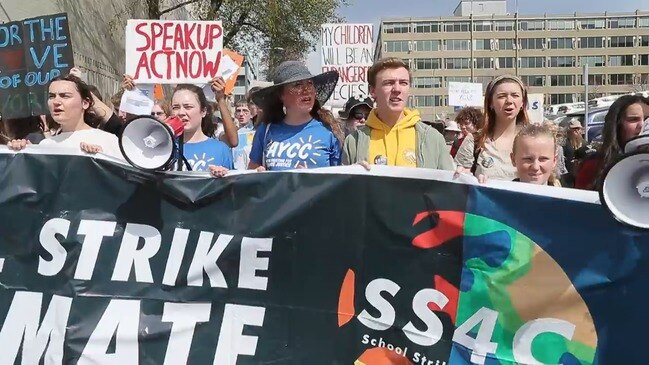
(595, 80)
(531, 43)
(482, 44)
(428, 100)
(591, 42)
(457, 44)
(626, 60)
(483, 62)
(532, 62)
(644, 41)
(427, 63)
(622, 23)
(241, 81)
(560, 43)
(484, 80)
(505, 62)
(532, 25)
(561, 25)
(621, 79)
(562, 61)
(643, 23)
(427, 46)
(562, 80)
(457, 79)
(593, 61)
(396, 46)
(427, 27)
(592, 23)
(504, 26)
(482, 26)
(561, 98)
(457, 63)
(644, 60)
(457, 27)
(427, 82)
(397, 28)
(533, 80)
(505, 44)
(621, 41)
(644, 79)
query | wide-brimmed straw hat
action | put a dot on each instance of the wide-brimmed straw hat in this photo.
(292, 71)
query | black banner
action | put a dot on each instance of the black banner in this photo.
(115, 266)
(32, 52)
(101, 263)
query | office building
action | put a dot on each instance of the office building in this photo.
(547, 52)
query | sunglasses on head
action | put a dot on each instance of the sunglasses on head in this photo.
(360, 115)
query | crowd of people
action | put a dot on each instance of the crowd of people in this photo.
(286, 126)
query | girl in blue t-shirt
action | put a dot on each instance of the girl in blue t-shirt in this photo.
(203, 153)
(298, 132)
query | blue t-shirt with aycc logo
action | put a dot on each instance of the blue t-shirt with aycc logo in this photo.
(201, 155)
(286, 147)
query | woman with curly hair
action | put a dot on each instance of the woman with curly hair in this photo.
(469, 120)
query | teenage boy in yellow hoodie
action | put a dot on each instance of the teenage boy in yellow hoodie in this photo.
(393, 134)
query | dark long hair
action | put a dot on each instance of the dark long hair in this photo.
(19, 128)
(207, 125)
(612, 138)
(85, 92)
(489, 120)
(273, 112)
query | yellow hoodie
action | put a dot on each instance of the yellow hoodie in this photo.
(397, 145)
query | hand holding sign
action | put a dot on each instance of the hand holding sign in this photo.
(128, 83)
(218, 87)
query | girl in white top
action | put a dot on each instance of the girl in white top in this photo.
(486, 154)
(69, 102)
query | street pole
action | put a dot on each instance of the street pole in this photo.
(586, 102)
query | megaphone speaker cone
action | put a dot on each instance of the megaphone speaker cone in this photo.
(148, 144)
(625, 191)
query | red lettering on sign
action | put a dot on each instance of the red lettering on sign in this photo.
(167, 37)
(156, 32)
(211, 66)
(138, 30)
(142, 63)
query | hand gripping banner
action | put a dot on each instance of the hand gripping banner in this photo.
(101, 263)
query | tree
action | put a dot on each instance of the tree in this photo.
(271, 30)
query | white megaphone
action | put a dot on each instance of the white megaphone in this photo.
(625, 190)
(149, 144)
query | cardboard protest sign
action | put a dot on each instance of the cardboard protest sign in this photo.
(173, 52)
(349, 49)
(465, 94)
(32, 52)
(233, 61)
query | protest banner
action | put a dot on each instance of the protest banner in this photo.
(463, 94)
(32, 52)
(349, 49)
(173, 52)
(535, 108)
(329, 266)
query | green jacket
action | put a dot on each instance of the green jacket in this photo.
(432, 152)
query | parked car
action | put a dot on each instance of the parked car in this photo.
(595, 121)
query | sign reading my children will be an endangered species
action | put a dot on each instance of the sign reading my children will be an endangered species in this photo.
(172, 52)
(32, 52)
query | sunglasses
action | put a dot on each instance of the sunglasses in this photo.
(360, 115)
(157, 113)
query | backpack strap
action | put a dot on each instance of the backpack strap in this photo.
(263, 152)
(476, 153)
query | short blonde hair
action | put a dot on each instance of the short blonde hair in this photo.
(385, 64)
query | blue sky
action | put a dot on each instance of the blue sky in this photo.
(371, 11)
